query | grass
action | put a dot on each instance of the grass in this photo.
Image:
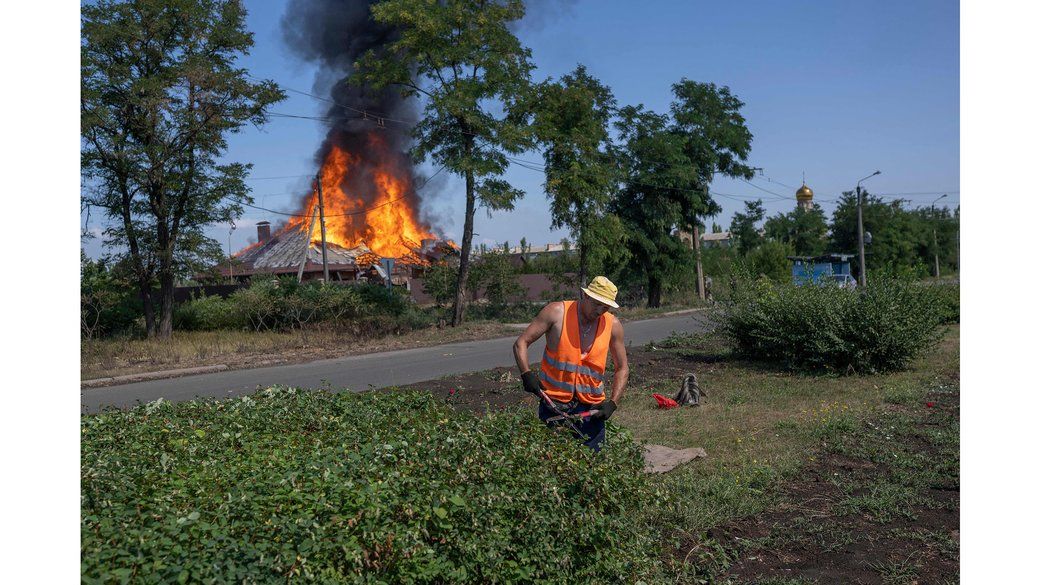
(759, 426)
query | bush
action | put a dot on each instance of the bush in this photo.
(948, 297)
(108, 300)
(373, 487)
(206, 314)
(822, 327)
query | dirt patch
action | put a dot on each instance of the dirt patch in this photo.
(850, 518)
(480, 392)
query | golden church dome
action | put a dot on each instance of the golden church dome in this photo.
(804, 194)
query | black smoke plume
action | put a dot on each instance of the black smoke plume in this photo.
(334, 34)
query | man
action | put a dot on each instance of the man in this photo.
(578, 336)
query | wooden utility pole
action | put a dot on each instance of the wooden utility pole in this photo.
(321, 212)
(697, 252)
(306, 246)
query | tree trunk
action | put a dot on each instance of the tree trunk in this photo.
(654, 293)
(165, 328)
(147, 307)
(467, 244)
(700, 267)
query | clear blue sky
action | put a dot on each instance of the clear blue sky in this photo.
(832, 89)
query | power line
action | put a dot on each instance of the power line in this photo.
(281, 177)
(358, 212)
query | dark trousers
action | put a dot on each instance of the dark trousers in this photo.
(594, 430)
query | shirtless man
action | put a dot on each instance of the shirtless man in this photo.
(579, 335)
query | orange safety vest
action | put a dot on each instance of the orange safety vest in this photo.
(567, 375)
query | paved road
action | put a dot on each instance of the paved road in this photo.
(361, 372)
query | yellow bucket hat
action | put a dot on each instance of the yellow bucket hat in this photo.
(602, 290)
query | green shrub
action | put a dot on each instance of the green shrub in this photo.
(368, 488)
(258, 304)
(207, 314)
(108, 301)
(880, 328)
(948, 296)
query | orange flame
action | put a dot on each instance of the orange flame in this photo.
(387, 222)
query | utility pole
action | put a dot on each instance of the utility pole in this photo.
(697, 251)
(321, 213)
(935, 236)
(231, 267)
(859, 230)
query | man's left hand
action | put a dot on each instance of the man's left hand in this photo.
(606, 409)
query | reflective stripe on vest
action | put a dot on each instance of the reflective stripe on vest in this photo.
(565, 373)
(572, 387)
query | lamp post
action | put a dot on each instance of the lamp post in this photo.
(231, 268)
(935, 236)
(859, 221)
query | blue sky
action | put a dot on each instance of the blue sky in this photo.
(832, 89)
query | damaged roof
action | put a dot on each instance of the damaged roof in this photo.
(284, 251)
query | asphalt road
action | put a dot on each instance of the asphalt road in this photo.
(361, 372)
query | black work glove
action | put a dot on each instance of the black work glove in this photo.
(531, 382)
(606, 408)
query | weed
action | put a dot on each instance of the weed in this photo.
(895, 572)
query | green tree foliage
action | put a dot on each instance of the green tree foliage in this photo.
(744, 227)
(160, 92)
(107, 300)
(769, 259)
(716, 138)
(571, 121)
(462, 59)
(902, 238)
(805, 231)
(491, 273)
(655, 199)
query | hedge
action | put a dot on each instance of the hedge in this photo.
(378, 487)
(882, 327)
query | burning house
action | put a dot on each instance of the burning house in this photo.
(365, 190)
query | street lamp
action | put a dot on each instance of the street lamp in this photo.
(935, 236)
(231, 268)
(859, 218)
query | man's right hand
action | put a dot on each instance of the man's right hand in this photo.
(531, 382)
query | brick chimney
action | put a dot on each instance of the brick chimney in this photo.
(263, 231)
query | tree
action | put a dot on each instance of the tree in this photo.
(461, 57)
(571, 120)
(804, 230)
(743, 229)
(902, 239)
(716, 141)
(159, 95)
(655, 199)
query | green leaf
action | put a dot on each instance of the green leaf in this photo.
(440, 512)
(201, 433)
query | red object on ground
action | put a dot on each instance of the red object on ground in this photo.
(665, 402)
(929, 404)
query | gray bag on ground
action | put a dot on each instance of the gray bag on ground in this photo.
(691, 393)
